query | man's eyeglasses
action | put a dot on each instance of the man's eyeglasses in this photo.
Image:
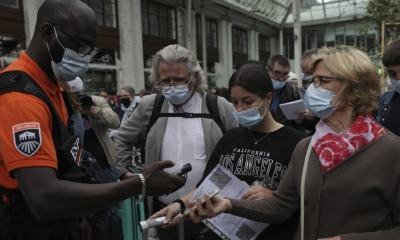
(279, 74)
(166, 84)
(83, 49)
(318, 80)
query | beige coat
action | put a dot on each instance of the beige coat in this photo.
(103, 118)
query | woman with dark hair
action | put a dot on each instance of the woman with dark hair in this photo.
(261, 143)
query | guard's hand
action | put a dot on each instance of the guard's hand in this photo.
(257, 192)
(127, 175)
(171, 213)
(159, 182)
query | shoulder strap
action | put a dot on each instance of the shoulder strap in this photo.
(212, 106)
(302, 189)
(158, 102)
(18, 81)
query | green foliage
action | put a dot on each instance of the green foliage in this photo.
(384, 10)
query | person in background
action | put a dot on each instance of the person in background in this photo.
(142, 93)
(72, 89)
(214, 90)
(128, 103)
(350, 178)
(104, 95)
(224, 92)
(98, 118)
(388, 113)
(44, 205)
(305, 61)
(177, 74)
(2, 64)
(278, 69)
(259, 136)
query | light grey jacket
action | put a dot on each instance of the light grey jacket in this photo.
(103, 118)
(359, 199)
(131, 131)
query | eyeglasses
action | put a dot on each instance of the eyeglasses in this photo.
(318, 80)
(179, 83)
(83, 49)
(279, 74)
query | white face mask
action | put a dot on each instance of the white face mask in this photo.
(395, 84)
(277, 84)
(72, 64)
(318, 101)
(250, 117)
(177, 94)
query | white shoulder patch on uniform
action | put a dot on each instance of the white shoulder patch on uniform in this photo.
(27, 137)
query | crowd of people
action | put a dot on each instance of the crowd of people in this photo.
(68, 158)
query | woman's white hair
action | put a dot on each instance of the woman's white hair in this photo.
(173, 54)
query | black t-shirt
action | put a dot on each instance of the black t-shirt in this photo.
(263, 164)
(393, 116)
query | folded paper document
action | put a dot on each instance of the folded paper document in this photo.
(292, 109)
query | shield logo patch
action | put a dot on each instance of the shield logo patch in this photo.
(27, 138)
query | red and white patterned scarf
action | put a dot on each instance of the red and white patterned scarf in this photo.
(332, 148)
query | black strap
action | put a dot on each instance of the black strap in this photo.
(211, 102)
(18, 81)
(212, 106)
(158, 102)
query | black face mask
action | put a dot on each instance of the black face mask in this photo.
(125, 101)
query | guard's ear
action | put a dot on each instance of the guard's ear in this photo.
(47, 32)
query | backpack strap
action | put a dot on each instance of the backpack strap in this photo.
(212, 106)
(158, 102)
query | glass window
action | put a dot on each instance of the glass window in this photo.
(211, 33)
(239, 40)
(109, 13)
(9, 3)
(320, 35)
(105, 11)
(263, 44)
(288, 45)
(158, 20)
(145, 18)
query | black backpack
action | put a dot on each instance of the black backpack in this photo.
(212, 106)
(74, 163)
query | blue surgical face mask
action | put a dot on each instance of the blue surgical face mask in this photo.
(277, 84)
(250, 117)
(318, 101)
(71, 65)
(177, 94)
(395, 84)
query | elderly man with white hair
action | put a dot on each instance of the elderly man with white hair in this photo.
(181, 132)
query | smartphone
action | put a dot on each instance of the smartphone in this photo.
(185, 169)
(213, 194)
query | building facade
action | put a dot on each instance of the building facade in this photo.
(131, 31)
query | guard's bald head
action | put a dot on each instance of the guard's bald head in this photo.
(66, 14)
(76, 24)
